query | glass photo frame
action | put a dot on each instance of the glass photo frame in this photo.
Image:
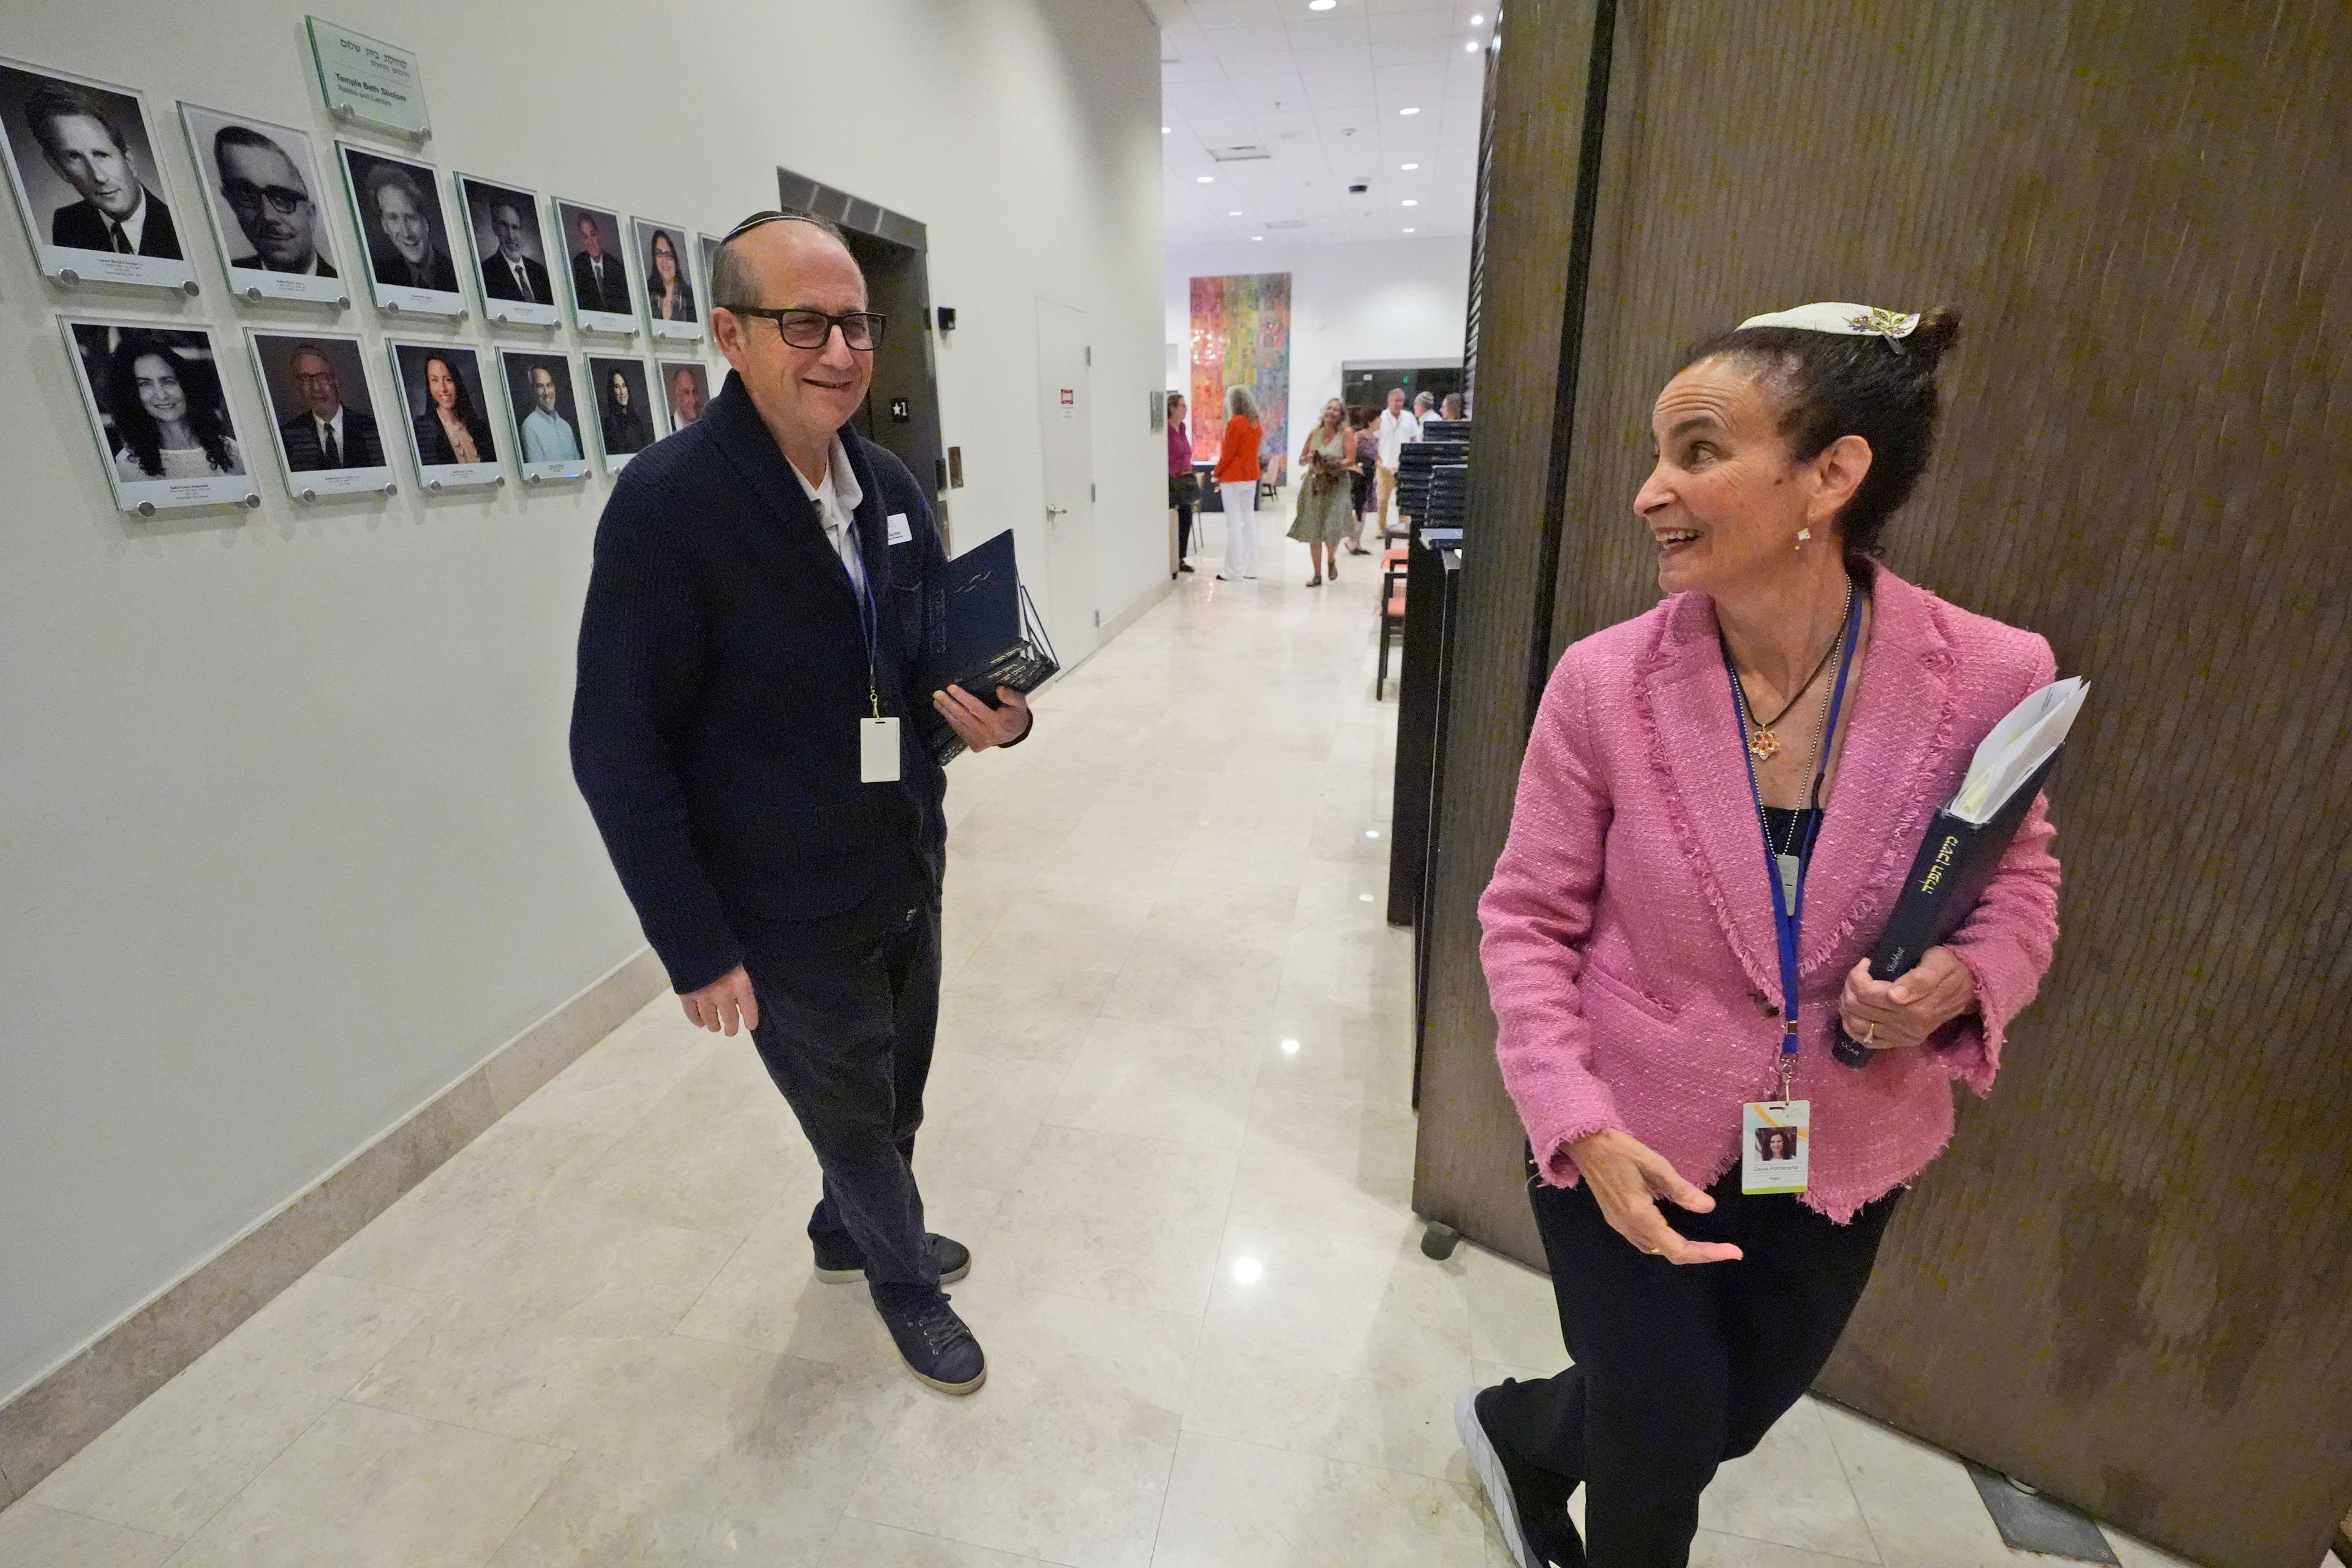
(83, 167)
(157, 401)
(621, 388)
(665, 254)
(506, 233)
(544, 404)
(603, 298)
(403, 225)
(446, 401)
(330, 438)
(267, 206)
(684, 391)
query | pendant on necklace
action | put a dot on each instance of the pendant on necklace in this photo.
(1764, 746)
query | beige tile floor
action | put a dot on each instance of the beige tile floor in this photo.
(1170, 1116)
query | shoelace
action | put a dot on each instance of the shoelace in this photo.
(940, 1327)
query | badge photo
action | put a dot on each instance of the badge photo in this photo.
(322, 413)
(82, 164)
(686, 391)
(603, 299)
(672, 306)
(508, 237)
(263, 197)
(1775, 1146)
(166, 436)
(445, 401)
(623, 392)
(546, 414)
(397, 210)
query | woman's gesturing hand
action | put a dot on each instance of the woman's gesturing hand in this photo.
(1628, 1177)
(1883, 1014)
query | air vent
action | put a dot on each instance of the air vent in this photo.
(1246, 154)
(1285, 223)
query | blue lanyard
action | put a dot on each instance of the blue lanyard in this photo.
(1788, 908)
(869, 627)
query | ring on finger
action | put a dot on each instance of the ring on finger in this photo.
(1869, 1033)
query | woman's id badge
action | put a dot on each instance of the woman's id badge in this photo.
(1775, 1139)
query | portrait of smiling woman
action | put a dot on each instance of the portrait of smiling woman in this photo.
(1718, 795)
(167, 411)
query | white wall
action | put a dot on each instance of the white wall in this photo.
(288, 835)
(1371, 300)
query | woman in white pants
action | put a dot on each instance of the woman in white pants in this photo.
(1238, 469)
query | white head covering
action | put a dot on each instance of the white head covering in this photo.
(1851, 321)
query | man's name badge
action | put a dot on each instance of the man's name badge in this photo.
(877, 750)
(1775, 1145)
(901, 531)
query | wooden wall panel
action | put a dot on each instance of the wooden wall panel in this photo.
(1466, 1168)
(2130, 1281)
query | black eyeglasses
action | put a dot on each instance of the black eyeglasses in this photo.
(860, 330)
(247, 196)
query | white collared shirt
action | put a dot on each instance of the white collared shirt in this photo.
(838, 496)
(335, 426)
(134, 228)
(522, 278)
(1396, 429)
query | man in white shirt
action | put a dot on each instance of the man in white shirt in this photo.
(327, 435)
(1397, 427)
(547, 436)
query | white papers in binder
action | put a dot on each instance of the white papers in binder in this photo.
(2018, 746)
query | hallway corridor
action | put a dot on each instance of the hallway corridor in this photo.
(1170, 1116)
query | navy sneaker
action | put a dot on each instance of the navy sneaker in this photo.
(934, 1343)
(842, 1262)
(1537, 1533)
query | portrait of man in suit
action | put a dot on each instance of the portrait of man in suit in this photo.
(319, 403)
(689, 386)
(267, 193)
(599, 280)
(508, 238)
(400, 215)
(95, 142)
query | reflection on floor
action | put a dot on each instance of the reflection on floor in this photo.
(1169, 1118)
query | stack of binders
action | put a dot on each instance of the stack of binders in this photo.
(1445, 442)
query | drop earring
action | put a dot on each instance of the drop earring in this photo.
(1802, 535)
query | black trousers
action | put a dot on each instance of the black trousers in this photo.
(845, 1029)
(1678, 1367)
(1183, 529)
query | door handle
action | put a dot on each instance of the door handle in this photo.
(1054, 511)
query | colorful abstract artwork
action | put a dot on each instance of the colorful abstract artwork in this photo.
(1240, 337)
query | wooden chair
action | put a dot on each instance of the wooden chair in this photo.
(1392, 580)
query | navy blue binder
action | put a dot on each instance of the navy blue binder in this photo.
(985, 631)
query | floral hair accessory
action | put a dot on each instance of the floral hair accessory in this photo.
(1851, 321)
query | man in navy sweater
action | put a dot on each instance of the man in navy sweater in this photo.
(749, 733)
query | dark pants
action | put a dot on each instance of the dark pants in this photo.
(1183, 529)
(1678, 1367)
(846, 1032)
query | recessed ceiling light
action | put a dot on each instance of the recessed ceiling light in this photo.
(1472, 47)
(1257, 236)
(1408, 231)
(1408, 111)
(1235, 213)
(1477, 21)
(1410, 203)
(1204, 179)
(1320, 4)
(1166, 129)
(1408, 168)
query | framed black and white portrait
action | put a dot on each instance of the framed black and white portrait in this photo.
(686, 391)
(546, 414)
(397, 210)
(446, 406)
(602, 298)
(508, 241)
(622, 389)
(267, 209)
(166, 434)
(330, 438)
(82, 161)
(665, 262)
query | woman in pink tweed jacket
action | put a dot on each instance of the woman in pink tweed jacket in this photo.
(1630, 942)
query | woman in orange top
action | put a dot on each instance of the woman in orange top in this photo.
(1237, 474)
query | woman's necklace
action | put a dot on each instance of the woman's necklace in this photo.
(1764, 746)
